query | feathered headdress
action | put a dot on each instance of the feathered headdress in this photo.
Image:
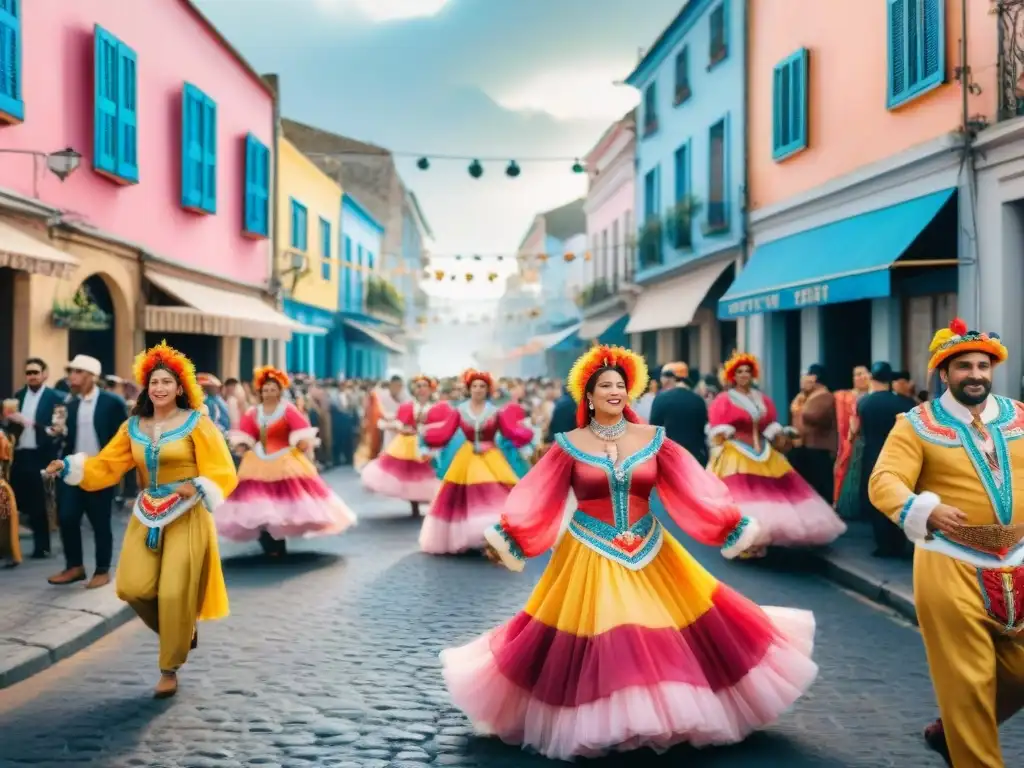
(958, 339)
(174, 361)
(471, 374)
(600, 356)
(430, 382)
(739, 359)
(269, 373)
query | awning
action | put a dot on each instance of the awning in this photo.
(376, 336)
(218, 312)
(846, 260)
(550, 340)
(19, 250)
(593, 327)
(673, 303)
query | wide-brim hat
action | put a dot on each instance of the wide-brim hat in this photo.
(87, 364)
(207, 380)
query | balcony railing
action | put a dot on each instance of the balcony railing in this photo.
(1011, 57)
(383, 300)
(650, 245)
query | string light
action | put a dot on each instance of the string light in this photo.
(513, 167)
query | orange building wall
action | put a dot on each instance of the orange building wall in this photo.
(849, 125)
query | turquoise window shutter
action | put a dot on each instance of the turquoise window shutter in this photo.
(105, 101)
(325, 249)
(917, 48)
(209, 149)
(191, 147)
(263, 190)
(250, 222)
(897, 48)
(127, 114)
(12, 103)
(790, 105)
(933, 43)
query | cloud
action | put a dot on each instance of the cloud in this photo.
(589, 94)
(379, 11)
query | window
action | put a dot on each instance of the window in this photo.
(682, 76)
(789, 106)
(115, 127)
(604, 268)
(650, 109)
(651, 203)
(718, 214)
(349, 275)
(917, 48)
(719, 48)
(616, 251)
(681, 219)
(300, 226)
(257, 188)
(198, 151)
(325, 249)
(12, 107)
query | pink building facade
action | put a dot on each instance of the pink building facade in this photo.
(171, 205)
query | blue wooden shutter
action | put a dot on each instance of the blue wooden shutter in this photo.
(11, 102)
(209, 154)
(264, 189)
(250, 218)
(191, 147)
(897, 49)
(325, 249)
(127, 114)
(295, 224)
(105, 100)
(798, 93)
(933, 43)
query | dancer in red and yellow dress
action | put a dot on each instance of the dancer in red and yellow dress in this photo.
(404, 470)
(746, 438)
(626, 641)
(280, 494)
(478, 478)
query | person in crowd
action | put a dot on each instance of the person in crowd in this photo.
(902, 384)
(876, 416)
(948, 475)
(813, 417)
(10, 544)
(681, 411)
(747, 453)
(646, 401)
(215, 404)
(615, 585)
(563, 417)
(234, 396)
(169, 569)
(280, 494)
(846, 474)
(381, 405)
(29, 422)
(708, 387)
(477, 479)
(94, 418)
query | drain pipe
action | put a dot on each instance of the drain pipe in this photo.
(274, 349)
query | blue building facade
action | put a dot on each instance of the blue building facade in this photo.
(307, 352)
(690, 181)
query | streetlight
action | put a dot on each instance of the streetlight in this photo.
(63, 163)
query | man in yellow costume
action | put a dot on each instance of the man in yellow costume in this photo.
(951, 475)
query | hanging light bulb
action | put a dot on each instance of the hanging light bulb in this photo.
(513, 169)
(577, 167)
(475, 169)
(423, 164)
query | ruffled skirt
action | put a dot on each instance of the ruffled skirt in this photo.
(765, 487)
(283, 495)
(401, 472)
(605, 658)
(470, 501)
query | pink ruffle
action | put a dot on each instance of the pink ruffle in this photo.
(807, 523)
(441, 537)
(306, 517)
(398, 479)
(658, 716)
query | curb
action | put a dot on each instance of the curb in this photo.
(858, 580)
(29, 659)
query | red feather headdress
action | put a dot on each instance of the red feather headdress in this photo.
(471, 374)
(430, 382)
(174, 361)
(633, 366)
(269, 373)
(738, 360)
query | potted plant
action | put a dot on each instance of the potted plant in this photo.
(80, 313)
(651, 237)
(680, 218)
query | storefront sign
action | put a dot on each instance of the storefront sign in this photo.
(791, 298)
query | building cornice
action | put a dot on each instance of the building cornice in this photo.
(611, 182)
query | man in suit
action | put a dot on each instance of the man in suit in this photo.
(876, 417)
(563, 417)
(681, 411)
(35, 447)
(94, 417)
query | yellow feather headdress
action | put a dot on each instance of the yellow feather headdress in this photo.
(168, 357)
(600, 356)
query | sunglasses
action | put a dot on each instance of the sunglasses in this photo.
(33, 372)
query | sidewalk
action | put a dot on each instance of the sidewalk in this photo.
(41, 624)
(848, 562)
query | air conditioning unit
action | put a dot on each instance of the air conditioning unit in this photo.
(298, 261)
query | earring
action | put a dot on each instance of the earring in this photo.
(591, 405)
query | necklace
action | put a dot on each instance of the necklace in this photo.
(608, 433)
(158, 426)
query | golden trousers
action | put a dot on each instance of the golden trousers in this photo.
(165, 587)
(977, 667)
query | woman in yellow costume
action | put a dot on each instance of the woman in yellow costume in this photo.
(169, 571)
(10, 546)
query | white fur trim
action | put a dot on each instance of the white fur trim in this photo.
(212, 495)
(914, 517)
(236, 438)
(791, 431)
(771, 431)
(748, 538)
(725, 431)
(307, 433)
(389, 424)
(74, 468)
(493, 537)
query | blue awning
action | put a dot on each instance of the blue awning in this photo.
(846, 260)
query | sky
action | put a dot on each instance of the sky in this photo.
(505, 79)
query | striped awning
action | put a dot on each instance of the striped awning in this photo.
(20, 250)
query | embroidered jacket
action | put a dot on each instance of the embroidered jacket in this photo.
(272, 434)
(749, 421)
(936, 455)
(612, 514)
(480, 430)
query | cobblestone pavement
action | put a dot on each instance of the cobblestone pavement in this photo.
(330, 659)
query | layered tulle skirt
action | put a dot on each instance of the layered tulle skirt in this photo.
(402, 472)
(765, 487)
(285, 496)
(605, 658)
(469, 501)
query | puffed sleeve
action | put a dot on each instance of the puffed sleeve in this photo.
(894, 478)
(719, 418)
(700, 503)
(216, 477)
(248, 431)
(771, 428)
(299, 428)
(105, 469)
(513, 424)
(442, 422)
(533, 511)
(404, 416)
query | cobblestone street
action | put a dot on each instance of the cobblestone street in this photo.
(330, 659)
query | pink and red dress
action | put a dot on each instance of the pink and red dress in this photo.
(741, 428)
(478, 478)
(626, 641)
(279, 490)
(404, 470)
